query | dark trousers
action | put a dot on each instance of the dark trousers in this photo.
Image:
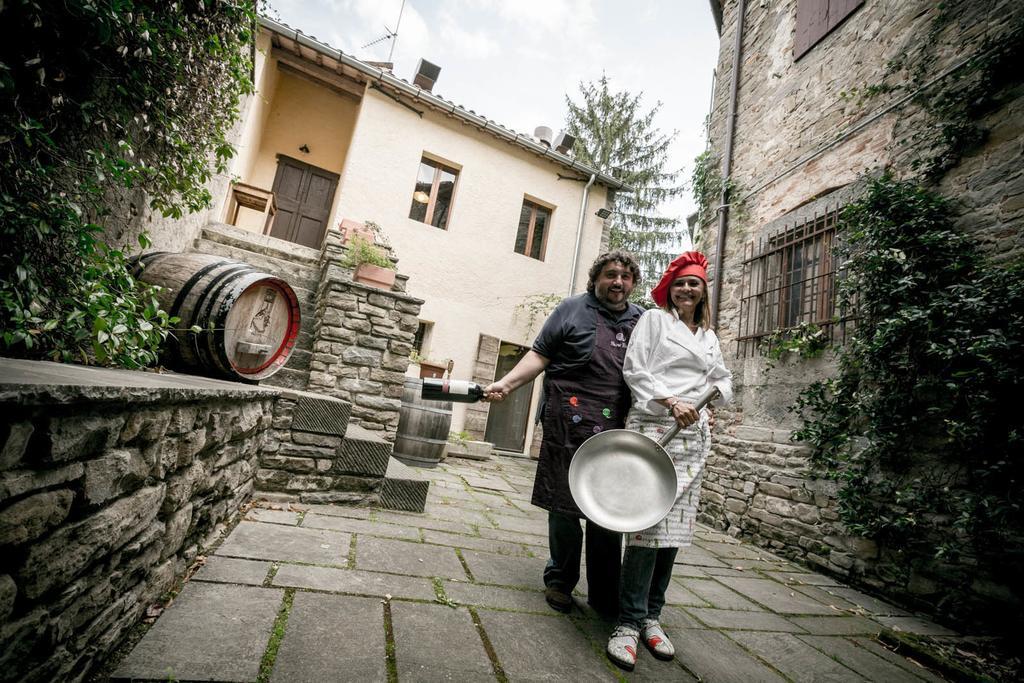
(604, 552)
(645, 576)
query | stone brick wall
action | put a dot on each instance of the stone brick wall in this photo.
(312, 454)
(803, 136)
(362, 342)
(483, 374)
(107, 493)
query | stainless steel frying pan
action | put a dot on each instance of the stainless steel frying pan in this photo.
(625, 481)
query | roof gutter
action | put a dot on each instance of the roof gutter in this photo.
(384, 77)
(579, 232)
(730, 133)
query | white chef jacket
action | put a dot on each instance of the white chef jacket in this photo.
(665, 359)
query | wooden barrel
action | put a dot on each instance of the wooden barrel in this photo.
(249, 319)
(422, 427)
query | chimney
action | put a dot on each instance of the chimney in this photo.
(564, 142)
(544, 134)
(426, 75)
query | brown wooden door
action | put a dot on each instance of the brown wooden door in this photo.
(304, 195)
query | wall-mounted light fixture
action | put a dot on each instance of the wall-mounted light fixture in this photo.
(420, 196)
(304, 149)
(603, 213)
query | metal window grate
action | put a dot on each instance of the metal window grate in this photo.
(789, 279)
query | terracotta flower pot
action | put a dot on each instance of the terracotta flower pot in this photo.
(350, 228)
(428, 369)
(375, 276)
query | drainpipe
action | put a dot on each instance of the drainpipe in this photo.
(730, 131)
(579, 232)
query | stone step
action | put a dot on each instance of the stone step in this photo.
(316, 413)
(262, 244)
(404, 488)
(363, 452)
(299, 276)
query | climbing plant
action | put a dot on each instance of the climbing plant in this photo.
(806, 340)
(920, 423)
(101, 100)
(706, 186)
(951, 99)
(536, 307)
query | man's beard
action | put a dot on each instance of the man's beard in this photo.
(616, 307)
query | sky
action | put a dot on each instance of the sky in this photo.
(514, 61)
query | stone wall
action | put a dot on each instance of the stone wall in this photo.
(483, 374)
(312, 454)
(111, 483)
(362, 341)
(803, 129)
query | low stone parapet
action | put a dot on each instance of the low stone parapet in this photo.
(111, 483)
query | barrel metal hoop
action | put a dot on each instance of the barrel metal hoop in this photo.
(177, 357)
(214, 290)
(187, 287)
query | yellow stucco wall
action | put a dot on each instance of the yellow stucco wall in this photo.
(290, 113)
(469, 275)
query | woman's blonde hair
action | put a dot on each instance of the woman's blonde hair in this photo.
(702, 316)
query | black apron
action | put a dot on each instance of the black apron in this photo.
(578, 404)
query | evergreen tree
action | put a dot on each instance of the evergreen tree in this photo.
(615, 135)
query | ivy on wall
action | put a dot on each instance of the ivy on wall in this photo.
(99, 98)
(921, 423)
(951, 102)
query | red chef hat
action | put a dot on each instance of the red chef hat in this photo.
(687, 263)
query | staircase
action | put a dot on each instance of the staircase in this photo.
(314, 454)
(297, 265)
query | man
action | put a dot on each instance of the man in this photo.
(581, 348)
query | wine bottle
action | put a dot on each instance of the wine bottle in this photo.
(455, 390)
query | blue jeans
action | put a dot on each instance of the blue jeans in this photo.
(604, 548)
(645, 576)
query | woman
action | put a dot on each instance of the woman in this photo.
(672, 358)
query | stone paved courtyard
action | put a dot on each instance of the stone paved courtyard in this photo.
(331, 593)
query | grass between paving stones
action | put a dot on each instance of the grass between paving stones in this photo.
(441, 596)
(499, 672)
(465, 566)
(268, 580)
(352, 552)
(389, 643)
(276, 634)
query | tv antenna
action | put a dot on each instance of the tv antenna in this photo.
(390, 35)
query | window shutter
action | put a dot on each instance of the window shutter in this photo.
(816, 18)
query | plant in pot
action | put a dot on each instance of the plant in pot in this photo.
(462, 445)
(350, 228)
(428, 368)
(371, 266)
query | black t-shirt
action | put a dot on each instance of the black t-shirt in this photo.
(570, 332)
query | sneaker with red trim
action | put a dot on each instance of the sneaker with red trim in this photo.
(655, 639)
(622, 646)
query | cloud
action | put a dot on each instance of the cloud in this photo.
(478, 44)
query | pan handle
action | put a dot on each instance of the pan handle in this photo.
(707, 397)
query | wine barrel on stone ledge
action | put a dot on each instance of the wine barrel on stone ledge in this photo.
(423, 427)
(249, 319)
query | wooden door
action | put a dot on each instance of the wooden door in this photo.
(304, 195)
(507, 420)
